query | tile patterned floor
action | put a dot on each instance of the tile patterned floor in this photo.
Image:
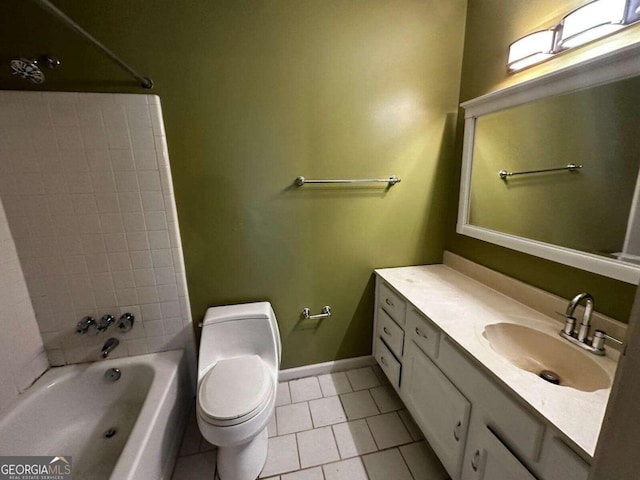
(340, 426)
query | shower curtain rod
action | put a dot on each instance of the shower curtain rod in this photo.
(145, 82)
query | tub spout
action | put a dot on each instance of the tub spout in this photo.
(109, 346)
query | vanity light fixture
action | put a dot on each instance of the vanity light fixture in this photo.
(534, 48)
(591, 21)
(633, 11)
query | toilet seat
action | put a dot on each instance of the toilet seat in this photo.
(234, 390)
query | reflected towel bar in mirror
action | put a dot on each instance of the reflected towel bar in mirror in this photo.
(392, 180)
(572, 167)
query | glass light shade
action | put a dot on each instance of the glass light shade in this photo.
(534, 48)
(633, 11)
(591, 21)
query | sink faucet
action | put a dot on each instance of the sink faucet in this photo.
(581, 337)
(109, 346)
(585, 324)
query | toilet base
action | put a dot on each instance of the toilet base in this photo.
(243, 462)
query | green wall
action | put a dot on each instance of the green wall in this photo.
(255, 93)
(491, 26)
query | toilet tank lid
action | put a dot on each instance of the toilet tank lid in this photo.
(236, 312)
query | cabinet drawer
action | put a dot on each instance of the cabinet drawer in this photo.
(423, 332)
(488, 459)
(390, 332)
(439, 409)
(388, 363)
(517, 428)
(393, 304)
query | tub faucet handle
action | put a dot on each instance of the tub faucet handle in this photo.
(125, 322)
(87, 324)
(105, 322)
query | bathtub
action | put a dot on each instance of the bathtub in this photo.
(130, 428)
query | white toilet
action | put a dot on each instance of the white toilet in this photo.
(237, 380)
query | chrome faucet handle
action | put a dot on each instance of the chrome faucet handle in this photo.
(125, 322)
(86, 325)
(600, 336)
(105, 322)
(569, 325)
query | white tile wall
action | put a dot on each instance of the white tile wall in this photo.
(86, 184)
(22, 355)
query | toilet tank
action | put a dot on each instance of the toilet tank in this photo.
(237, 330)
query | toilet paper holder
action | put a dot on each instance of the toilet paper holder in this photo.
(326, 313)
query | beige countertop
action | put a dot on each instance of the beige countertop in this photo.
(461, 307)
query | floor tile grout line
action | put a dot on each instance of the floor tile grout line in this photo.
(348, 421)
(372, 435)
(406, 463)
(298, 451)
(359, 457)
(311, 418)
(349, 380)
(335, 441)
(311, 415)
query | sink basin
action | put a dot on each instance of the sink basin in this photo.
(538, 352)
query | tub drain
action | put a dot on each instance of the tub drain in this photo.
(110, 433)
(549, 376)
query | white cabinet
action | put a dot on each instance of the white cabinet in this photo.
(518, 428)
(478, 428)
(388, 362)
(489, 459)
(424, 333)
(391, 333)
(392, 303)
(388, 333)
(559, 462)
(439, 409)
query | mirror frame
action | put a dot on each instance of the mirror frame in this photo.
(616, 65)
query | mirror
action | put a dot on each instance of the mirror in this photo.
(568, 148)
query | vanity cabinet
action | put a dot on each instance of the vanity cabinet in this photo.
(392, 303)
(388, 343)
(388, 362)
(476, 426)
(439, 409)
(489, 459)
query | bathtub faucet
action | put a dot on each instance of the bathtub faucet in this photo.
(109, 346)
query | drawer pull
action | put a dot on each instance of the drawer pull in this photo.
(475, 460)
(456, 431)
(385, 330)
(389, 302)
(384, 362)
(421, 333)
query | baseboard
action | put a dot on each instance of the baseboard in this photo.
(326, 367)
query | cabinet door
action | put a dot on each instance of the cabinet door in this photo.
(559, 462)
(488, 459)
(440, 410)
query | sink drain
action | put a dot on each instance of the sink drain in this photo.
(110, 433)
(549, 376)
